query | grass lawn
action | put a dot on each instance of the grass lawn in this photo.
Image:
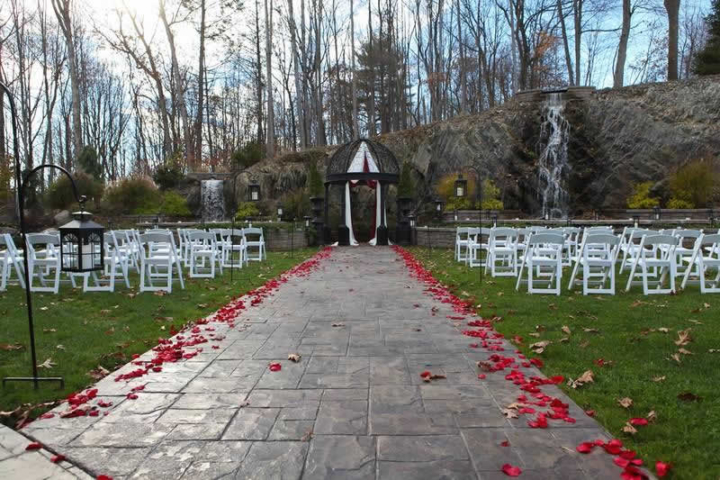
(79, 331)
(625, 332)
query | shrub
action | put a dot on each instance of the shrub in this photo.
(88, 162)
(446, 190)
(170, 174)
(134, 195)
(175, 205)
(60, 194)
(314, 181)
(247, 156)
(245, 210)
(491, 196)
(694, 183)
(406, 186)
(676, 203)
(295, 204)
(641, 198)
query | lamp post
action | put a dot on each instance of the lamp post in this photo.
(460, 192)
(279, 214)
(253, 195)
(494, 217)
(636, 220)
(81, 242)
(657, 213)
(439, 209)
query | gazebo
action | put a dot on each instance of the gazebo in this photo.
(368, 162)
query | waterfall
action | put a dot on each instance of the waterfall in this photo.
(213, 200)
(553, 165)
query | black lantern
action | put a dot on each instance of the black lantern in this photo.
(656, 212)
(411, 217)
(460, 186)
(280, 213)
(307, 221)
(82, 248)
(568, 220)
(636, 220)
(439, 206)
(494, 217)
(253, 192)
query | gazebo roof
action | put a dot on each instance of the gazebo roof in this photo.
(363, 159)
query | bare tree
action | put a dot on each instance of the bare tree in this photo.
(672, 7)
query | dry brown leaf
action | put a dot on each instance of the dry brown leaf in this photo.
(566, 329)
(629, 429)
(689, 397)
(586, 377)
(534, 334)
(591, 330)
(651, 416)
(625, 402)
(485, 366)
(98, 373)
(539, 347)
(685, 352)
(552, 306)
(683, 337)
(637, 303)
(60, 347)
(584, 344)
(564, 340)
(676, 357)
(659, 379)
(539, 328)
(509, 413)
(714, 350)
(696, 322)
(8, 347)
(47, 364)
(706, 305)
(201, 305)
(661, 330)
(294, 357)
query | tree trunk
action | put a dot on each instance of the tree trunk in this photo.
(371, 92)
(566, 47)
(270, 129)
(355, 124)
(673, 12)
(62, 12)
(577, 16)
(619, 74)
(299, 97)
(200, 88)
(258, 79)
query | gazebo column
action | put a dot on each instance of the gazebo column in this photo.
(343, 230)
(382, 232)
(327, 235)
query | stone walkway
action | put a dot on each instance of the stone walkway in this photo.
(354, 407)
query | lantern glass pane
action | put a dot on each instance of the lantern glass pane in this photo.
(254, 195)
(68, 249)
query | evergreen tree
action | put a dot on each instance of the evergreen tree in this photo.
(314, 180)
(707, 60)
(88, 162)
(406, 186)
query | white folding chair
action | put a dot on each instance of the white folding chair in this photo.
(116, 263)
(685, 249)
(543, 254)
(233, 243)
(256, 241)
(475, 246)
(597, 256)
(631, 248)
(572, 240)
(10, 261)
(706, 257)
(462, 242)
(158, 259)
(501, 248)
(43, 254)
(204, 254)
(656, 252)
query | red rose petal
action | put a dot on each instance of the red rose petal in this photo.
(639, 422)
(482, 376)
(505, 444)
(104, 477)
(585, 447)
(662, 468)
(275, 367)
(57, 458)
(33, 446)
(511, 471)
(425, 374)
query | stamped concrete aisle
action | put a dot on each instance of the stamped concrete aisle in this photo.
(354, 407)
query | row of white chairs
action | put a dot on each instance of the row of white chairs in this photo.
(155, 255)
(538, 253)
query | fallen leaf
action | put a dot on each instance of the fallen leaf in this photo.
(564, 340)
(685, 352)
(60, 347)
(714, 350)
(651, 416)
(201, 305)
(539, 347)
(509, 413)
(683, 337)
(49, 330)
(584, 344)
(586, 377)
(659, 379)
(44, 309)
(676, 357)
(8, 348)
(534, 334)
(98, 373)
(662, 330)
(337, 324)
(566, 329)
(689, 397)
(294, 357)
(47, 364)
(625, 402)
(696, 322)
(591, 330)
(629, 429)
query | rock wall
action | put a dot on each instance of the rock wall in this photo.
(618, 137)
